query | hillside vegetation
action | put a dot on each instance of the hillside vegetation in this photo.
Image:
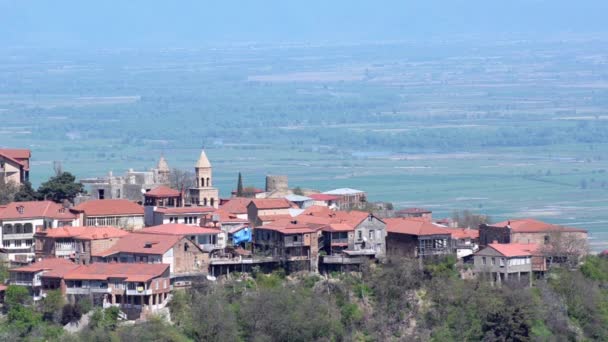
(397, 301)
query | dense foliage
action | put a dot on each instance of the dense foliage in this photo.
(401, 300)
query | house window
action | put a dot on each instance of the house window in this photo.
(493, 261)
(17, 243)
(28, 243)
(483, 260)
(371, 234)
(7, 229)
(547, 239)
(186, 247)
(359, 235)
(6, 243)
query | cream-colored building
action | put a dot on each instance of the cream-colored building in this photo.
(204, 193)
(15, 165)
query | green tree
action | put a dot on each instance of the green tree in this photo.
(52, 305)
(16, 296)
(298, 191)
(239, 186)
(26, 193)
(61, 187)
(7, 191)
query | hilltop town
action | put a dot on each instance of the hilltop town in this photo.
(132, 242)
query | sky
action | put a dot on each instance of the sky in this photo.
(178, 23)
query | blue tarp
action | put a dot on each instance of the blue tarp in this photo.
(243, 235)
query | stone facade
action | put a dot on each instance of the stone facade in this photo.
(129, 186)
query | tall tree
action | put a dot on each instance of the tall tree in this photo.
(7, 191)
(26, 193)
(239, 186)
(61, 187)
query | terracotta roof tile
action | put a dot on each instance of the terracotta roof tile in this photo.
(35, 209)
(237, 205)
(463, 233)
(515, 249)
(178, 229)
(129, 272)
(291, 226)
(53, 267)
(83, 233)
(270, 203)
(110, 207)
(162, 191)
(184, 210)
(324, 197)
(143, 244)
(529, 225)
(413, 226)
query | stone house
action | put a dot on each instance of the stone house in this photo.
(416, 238)
(15, 165)
(415, 212)
(208, 239)
(236, 206)
(129, 186)
(509, 262)
(557, 242)
(259, 210)
(75, 243)
(294, 244)
(184, 256)
(349, 238)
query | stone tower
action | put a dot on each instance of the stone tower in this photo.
(204, 193)
(163, 171)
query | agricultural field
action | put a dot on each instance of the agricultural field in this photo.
(507, 128)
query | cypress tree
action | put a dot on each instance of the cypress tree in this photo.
(239, 186)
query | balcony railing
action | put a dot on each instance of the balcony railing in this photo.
(291, 243)
(78, 290)
(339, 241)
(342, 259)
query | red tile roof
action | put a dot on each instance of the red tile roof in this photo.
(413, 226)
(109, 207)
(515, 249)
(272, 218)
(19, 156)
(226, 217)
(529, 225)
(53, 267)
(323, 197)
(129, 272)
(270, 203)
(178, 229)
(291, 227)
(324, 215)
(184, 210)
(83, 233)
(463, 233)
(237, 205)
(35, 209)
(162, 191)
(143, 244)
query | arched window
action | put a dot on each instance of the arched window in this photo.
(212, 201)
(7, 229)
(28, 228)
(18, 228)
(208, 181)
(205, 201)
(202, 182)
